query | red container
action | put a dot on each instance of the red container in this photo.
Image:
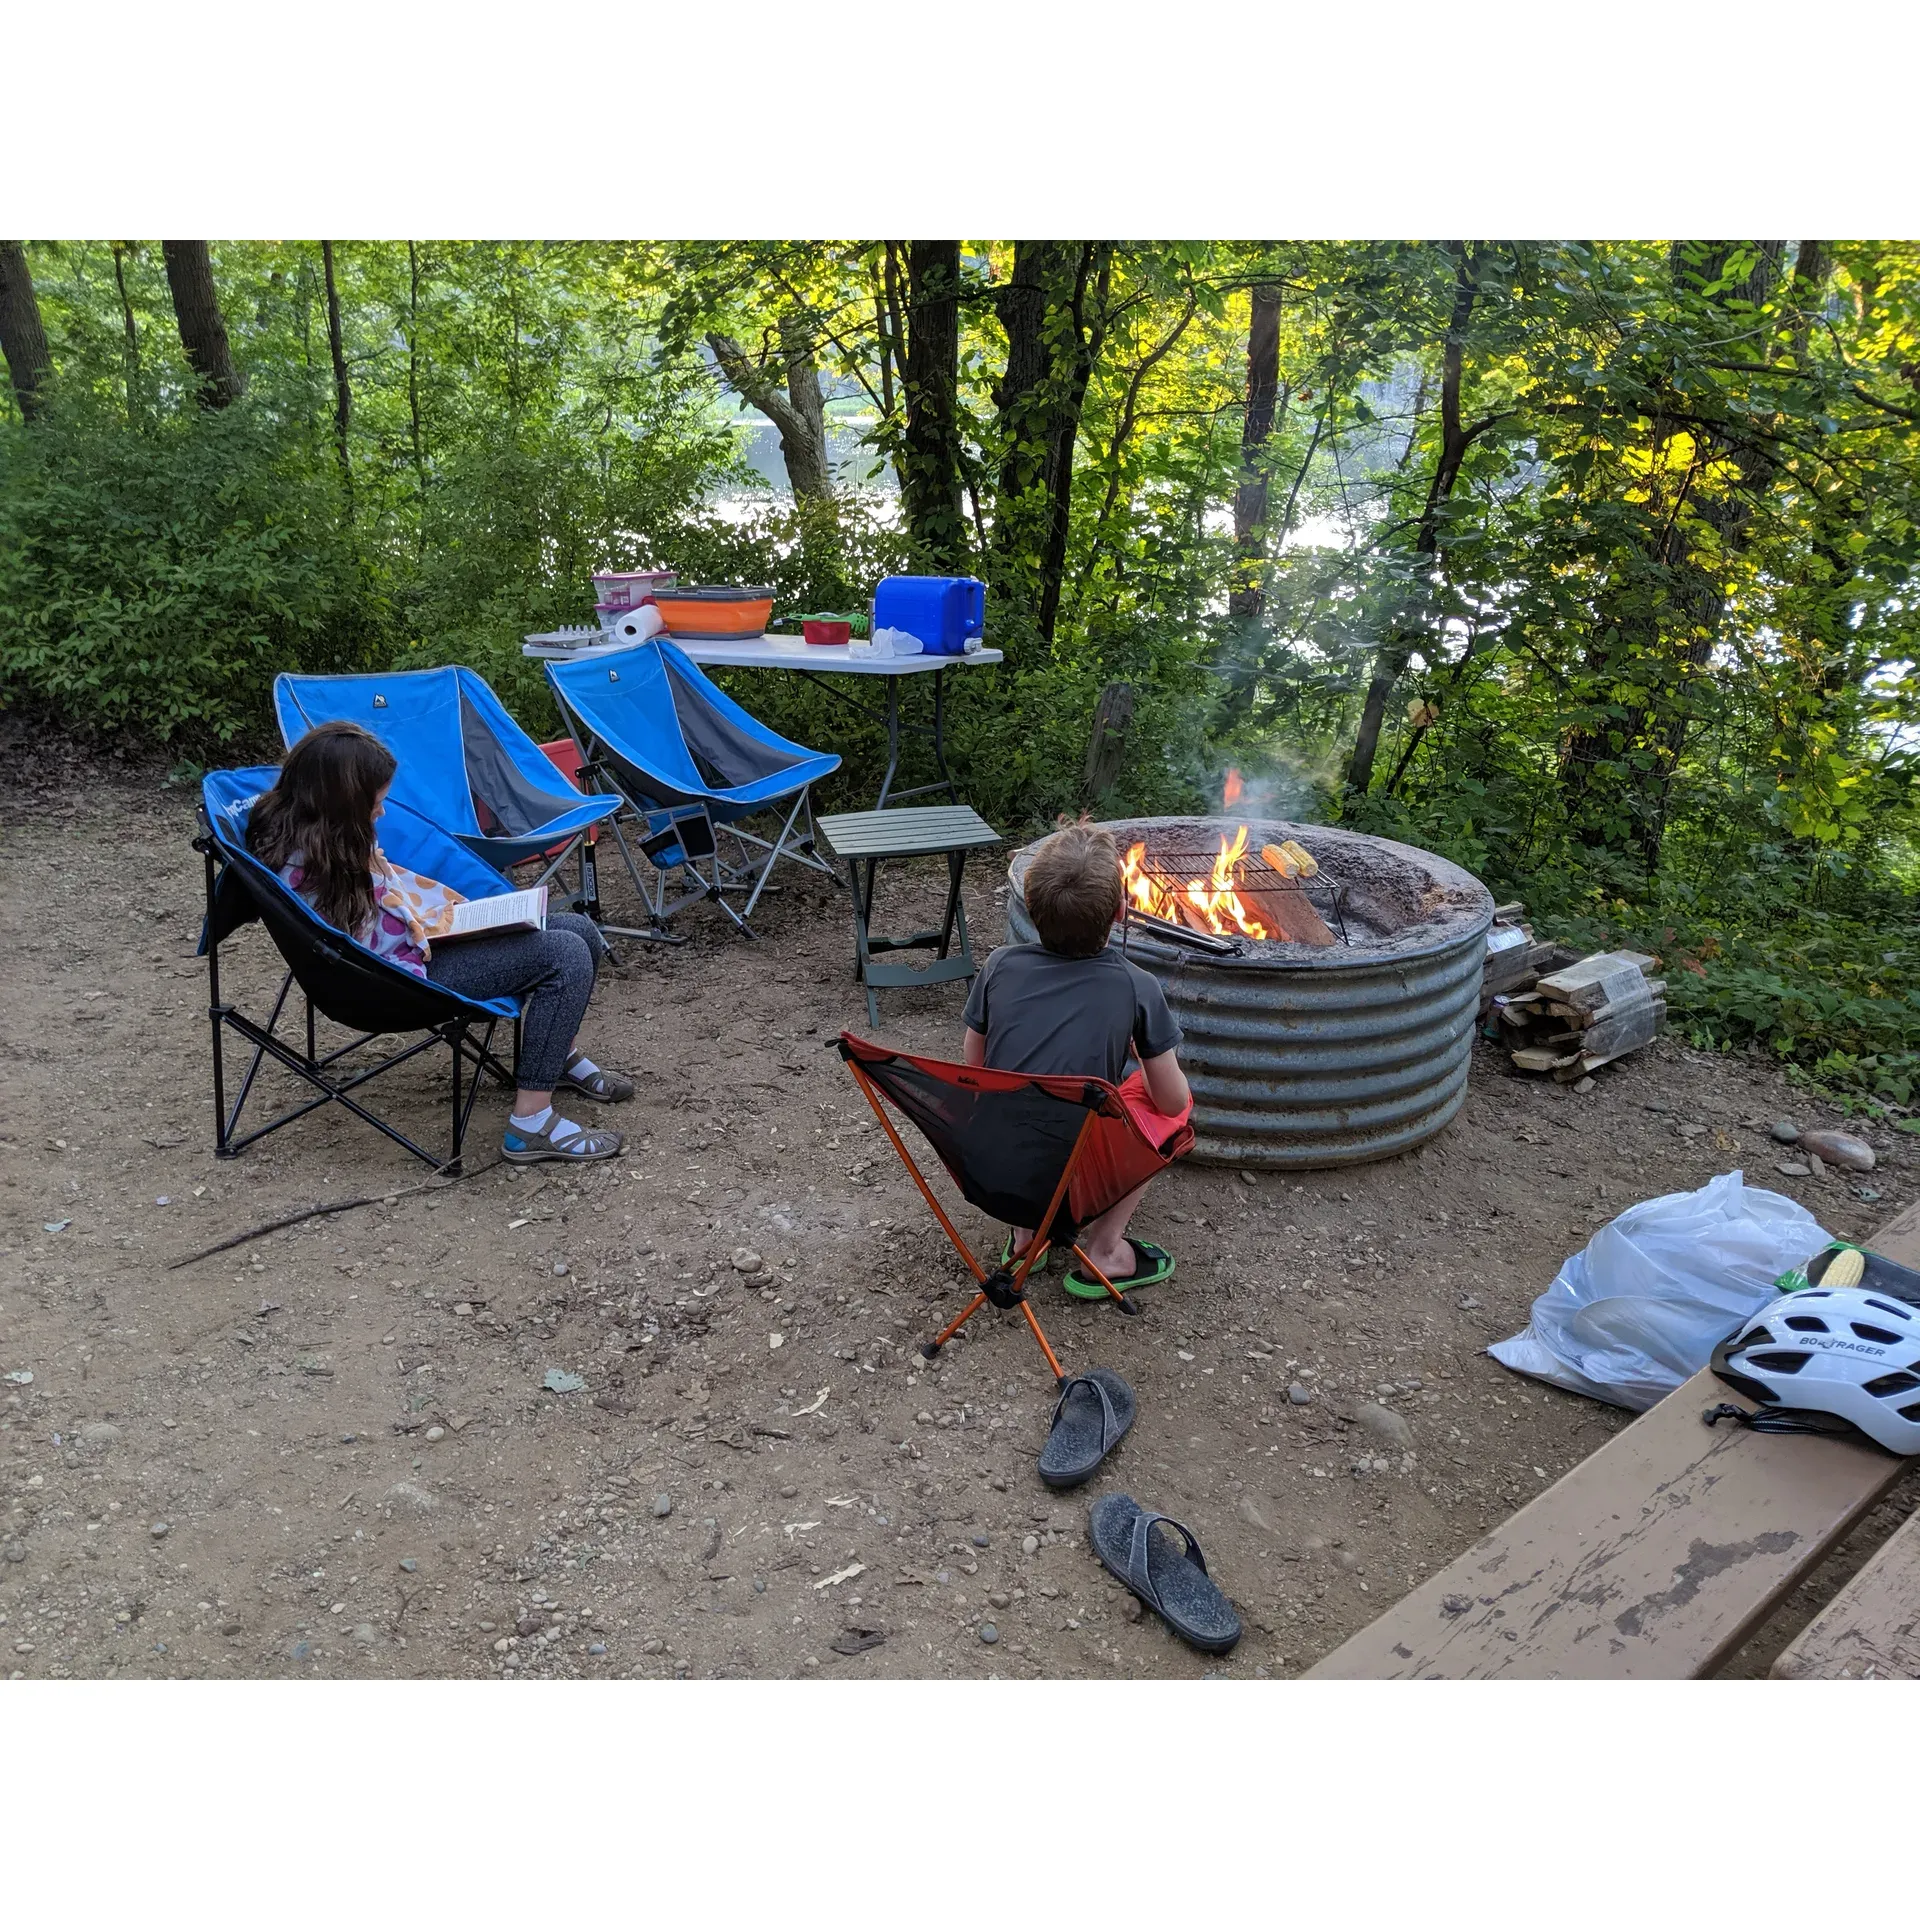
(826, 633)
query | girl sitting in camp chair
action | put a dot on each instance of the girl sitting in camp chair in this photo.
(315, 828)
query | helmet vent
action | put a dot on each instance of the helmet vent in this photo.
(1880, 1336)
(1779, 1362)
(1807, 1323)
(1753, 1337)
(1889, 1384)
(1911, 1411)
(1887, 1306)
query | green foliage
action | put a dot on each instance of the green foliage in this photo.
(1622, 537)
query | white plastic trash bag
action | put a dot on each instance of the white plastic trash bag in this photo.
(1643, 1305)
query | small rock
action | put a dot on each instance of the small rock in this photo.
(561, 1269)
(409, 1566)
(662, 1506)
(597, 1648)
(1846, 1150)
(759, 1585)
(1468, 1302)
(1584, 1084)
(989, 1632)
(463, 1308)
(1785, 1132)
(653, 1646)
(100, 1433)
(230, 1628)
(1793, 1169)
(775, 1341)
(1131, 1608)
(560, 1381)
(999, 1600)
(1030, 1545)
(159, 1529)
(436, 1433)
(1248, 1178)
(979, 1539)
(1298, 1395)
(366, 1633)
(745, 1260)
(1384, 1424)
(1457, 1603)
(13, 1552)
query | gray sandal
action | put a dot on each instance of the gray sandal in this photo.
(603, 1084)
(536, 1143)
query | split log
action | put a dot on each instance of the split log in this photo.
(1593, 982)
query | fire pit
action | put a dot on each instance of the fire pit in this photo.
(1327, 982)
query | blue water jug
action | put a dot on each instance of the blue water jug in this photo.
(941, 612)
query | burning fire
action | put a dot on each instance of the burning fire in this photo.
(1230, 797)
(1210, 906)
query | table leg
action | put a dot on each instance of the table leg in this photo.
(893, 738)
(940, 732)
(956, 867)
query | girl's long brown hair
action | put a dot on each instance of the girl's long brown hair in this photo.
(320, 812)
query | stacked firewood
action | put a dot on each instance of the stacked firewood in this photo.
(1515, 959)
(1582, 1016)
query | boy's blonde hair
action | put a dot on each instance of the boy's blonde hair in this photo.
(1073, 890)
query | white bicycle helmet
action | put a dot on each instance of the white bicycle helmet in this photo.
(1828, 1360)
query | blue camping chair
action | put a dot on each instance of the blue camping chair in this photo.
(653, 728)
(339, 978)
(464, 762)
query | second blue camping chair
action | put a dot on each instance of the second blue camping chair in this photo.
(465, 763)
(652, 728)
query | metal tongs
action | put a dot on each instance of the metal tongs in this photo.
(1179, 934)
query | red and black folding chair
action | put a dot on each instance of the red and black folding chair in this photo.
(1047, 1152)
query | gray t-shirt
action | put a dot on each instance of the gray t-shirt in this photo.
(1047, 1012)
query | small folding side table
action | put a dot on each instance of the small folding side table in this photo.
(863, 840)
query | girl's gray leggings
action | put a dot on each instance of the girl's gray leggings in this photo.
(550, 973)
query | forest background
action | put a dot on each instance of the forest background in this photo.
(1591, 565)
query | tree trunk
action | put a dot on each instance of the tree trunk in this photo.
(342, 387)
(22, 338)
(1245, 598)
(1053, 311)
(130, 351)
(799, 412)
(413, 386)
(1395, 651)
(1107, 743)
(930, 391)
(203, 332)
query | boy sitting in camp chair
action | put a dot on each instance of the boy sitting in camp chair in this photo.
(1075, 1005)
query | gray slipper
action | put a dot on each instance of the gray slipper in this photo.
(1090, 1419)
(1174, 1584)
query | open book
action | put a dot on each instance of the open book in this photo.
(499, 913)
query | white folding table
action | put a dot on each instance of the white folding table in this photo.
(787, 651)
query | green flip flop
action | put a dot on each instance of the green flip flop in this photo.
(1009, 1258)
(1152, 1265)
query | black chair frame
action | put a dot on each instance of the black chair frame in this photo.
(467, 1034)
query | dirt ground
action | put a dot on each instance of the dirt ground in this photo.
(332, 1451)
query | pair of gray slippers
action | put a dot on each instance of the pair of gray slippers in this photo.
(1169, 1574)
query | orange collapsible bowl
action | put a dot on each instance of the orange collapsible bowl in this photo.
(716, 613)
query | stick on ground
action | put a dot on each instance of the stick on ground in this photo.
(332, 1206)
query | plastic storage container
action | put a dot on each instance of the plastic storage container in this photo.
(716, 613)
(941, 612)
(621, 592)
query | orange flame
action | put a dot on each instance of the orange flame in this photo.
(1212, 906)
(1234, 788)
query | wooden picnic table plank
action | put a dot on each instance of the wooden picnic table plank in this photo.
(899, 833)
(1870, 1629)
(1658, 1556)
